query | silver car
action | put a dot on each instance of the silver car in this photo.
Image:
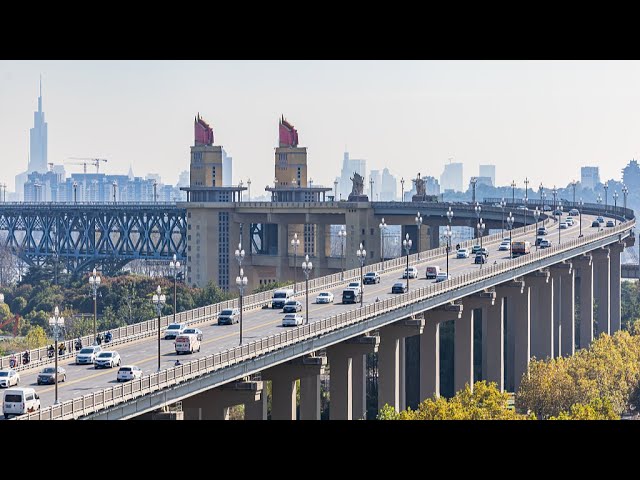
(48, 375)
(108, 359)
(8, 377)
(87, 355)
(194, 331)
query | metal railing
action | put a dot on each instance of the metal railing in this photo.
(105, 398)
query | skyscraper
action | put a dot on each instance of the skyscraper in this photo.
(488, 171)
(349, 167)
(389, 187)
(589, 177)
(451, 178)
(38, 140)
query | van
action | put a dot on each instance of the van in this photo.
(432, 272)
(188, 343)
(280, 297)
(351, 295)
(18, 401)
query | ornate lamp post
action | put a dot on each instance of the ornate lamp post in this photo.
(481, 227)
(502, 205)
(513, 192)
(599, 201)
(573, 184)
(625, 191)
(249, 189)
(510, 221)
(306, 269)
(57, 322)
(114, 184)
(449, 215)
(94, 282)
(477, 209)
(559, 210)
(155, 191)
(295, 241)
(536, 215)
(239, 254)
(361, 253)
(158, 300)
(75, 192)
(335, 190)
(447, 236)
(342, 234)
(606, 189)
(406, 243)
(615, 207)
(541, 190)
(402, 189)
(371, 182)
(241, 283)
(174, 266)
(525, 200)
(419, 224)
(554, 192)
(383, 226)
(580, 204)
(526, 189)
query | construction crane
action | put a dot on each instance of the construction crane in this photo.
(16, 324)
(94, 161)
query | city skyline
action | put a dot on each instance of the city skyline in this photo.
(555, 116)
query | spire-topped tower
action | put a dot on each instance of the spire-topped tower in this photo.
(38, 139)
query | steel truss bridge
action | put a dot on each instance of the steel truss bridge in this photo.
(83, 235)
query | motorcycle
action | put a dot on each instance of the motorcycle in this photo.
(26, 358)
(78, 344)
(99, 339)
(13, 362)
(50, 351)
(107, 338)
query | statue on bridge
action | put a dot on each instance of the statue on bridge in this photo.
(421, 191)
(357, 188)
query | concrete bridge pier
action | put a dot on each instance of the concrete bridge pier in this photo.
(463, 338)
(391, 372)
(348, 387)
(430, 348)
(517, 294)
(562, 275)
(615, 250)
(214, 404)
(584, 264)
(541, 314)
(603, 288)
(493, 345)
(283, 388)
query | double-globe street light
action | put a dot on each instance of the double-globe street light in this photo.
(502, 205)
(406, 243)
(477, 209)
(625, 191)
(295, 242)
(536, 215)
(510, 221)
(94, 282)
(241, 283)
(306, 269)
(342, 235)
(419, 224)
(481, 226)
(174, 266)
(57, 322)
(383, 226)
(580, 204)
(559, 212)
(361, 254)
(158, 300)
(615, 207)
(447, 236)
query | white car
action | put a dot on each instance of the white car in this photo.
(463, 253)
(87, 355)
(569, 221)
(563, 225)
(545, 243)
(174, 329)
(194, 331)
(504, 246)
(355, 286)
(324, 297)
(8, 377)
(292, 320)
(128, 372)
(412, 272)
(107, 358)
(441, 277)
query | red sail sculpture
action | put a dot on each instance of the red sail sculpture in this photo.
(202, 132)
(288, 134)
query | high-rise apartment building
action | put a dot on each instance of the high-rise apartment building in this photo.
(349, 167)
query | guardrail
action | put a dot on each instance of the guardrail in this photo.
(94, 402)
(136, 331)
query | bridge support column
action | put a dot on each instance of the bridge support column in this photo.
(310, 397)
(615, 273)
(563, 275)
(603, 286)
(463, 371)
(389, 364)
(557, 314)
(256, 410)
(541, 314)
(434, 236)
(283, 387)
(518, 318)
(214, 404)
(495, 344)
(347, 387)
(585, 269)
(430, 348)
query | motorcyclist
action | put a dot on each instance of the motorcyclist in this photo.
(99, 338)
(177, 363)
(61, 349)
(78, 344)
(107, 337)
(13, 361)
(26, 357)
(50, 351)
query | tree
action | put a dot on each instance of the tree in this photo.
(36, 337)
(597, 409)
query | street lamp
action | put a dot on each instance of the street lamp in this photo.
(513, 192)
(573, 184)
(115, 185)
(402, 187)
(241, 283)
(449, 215)
(335, 190)
(249, 189)
(295, 241)
(158, 300)
(536, 215)
(94, 282)
(580, 204)
(75, 192)
(502, 205)
(554, 192)
(526, 189)
(606, 188)
(525, 200)
(361, 253)
(57, 322)
(625, 191)
(541, 190)
(174, 266)
(342, 234)
(447, 236)
(510, 221)
(383, 227)
(615, 207)
(371, 182)
(406, 243)
(481, 227)
(306, 269)
(239, 254)
(419, 224)
(559, 212)
(599, 201)
(155, 191)
(477, 209)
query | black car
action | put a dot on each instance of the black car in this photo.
(480, 258)
(371, 277)
(610, 223)
(399, 287)
(351, 296)
(595, 223)
(542, 231)
(538, 240)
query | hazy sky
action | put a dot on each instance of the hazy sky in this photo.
(541, 119)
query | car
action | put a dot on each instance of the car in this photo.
(504, 246)
(292, 320)
(600, 219)
(484, 251)
(441, 277)
(174, 329)
(107, 358)
(542, 231)
(351, 295)
(569, 221)
(128, 372)
(229, 316)
(507, 239)
(609, 223)
(324, 297)
(355, 286)
(558, 212)
(563, 225)
(292, 306)
(538, 240)
(186, 343)
(432, 271)
(193, 331)
(574, 212)
(411, 272)
(480, 258)
(546, 208)
(48, 375)
(522, 207)
(87, 355)
(475, 249)
(371, 277)
(595, 223)
(18, 401)
(8, 377)
(462, 253)
(545, 243)
(399, 287)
